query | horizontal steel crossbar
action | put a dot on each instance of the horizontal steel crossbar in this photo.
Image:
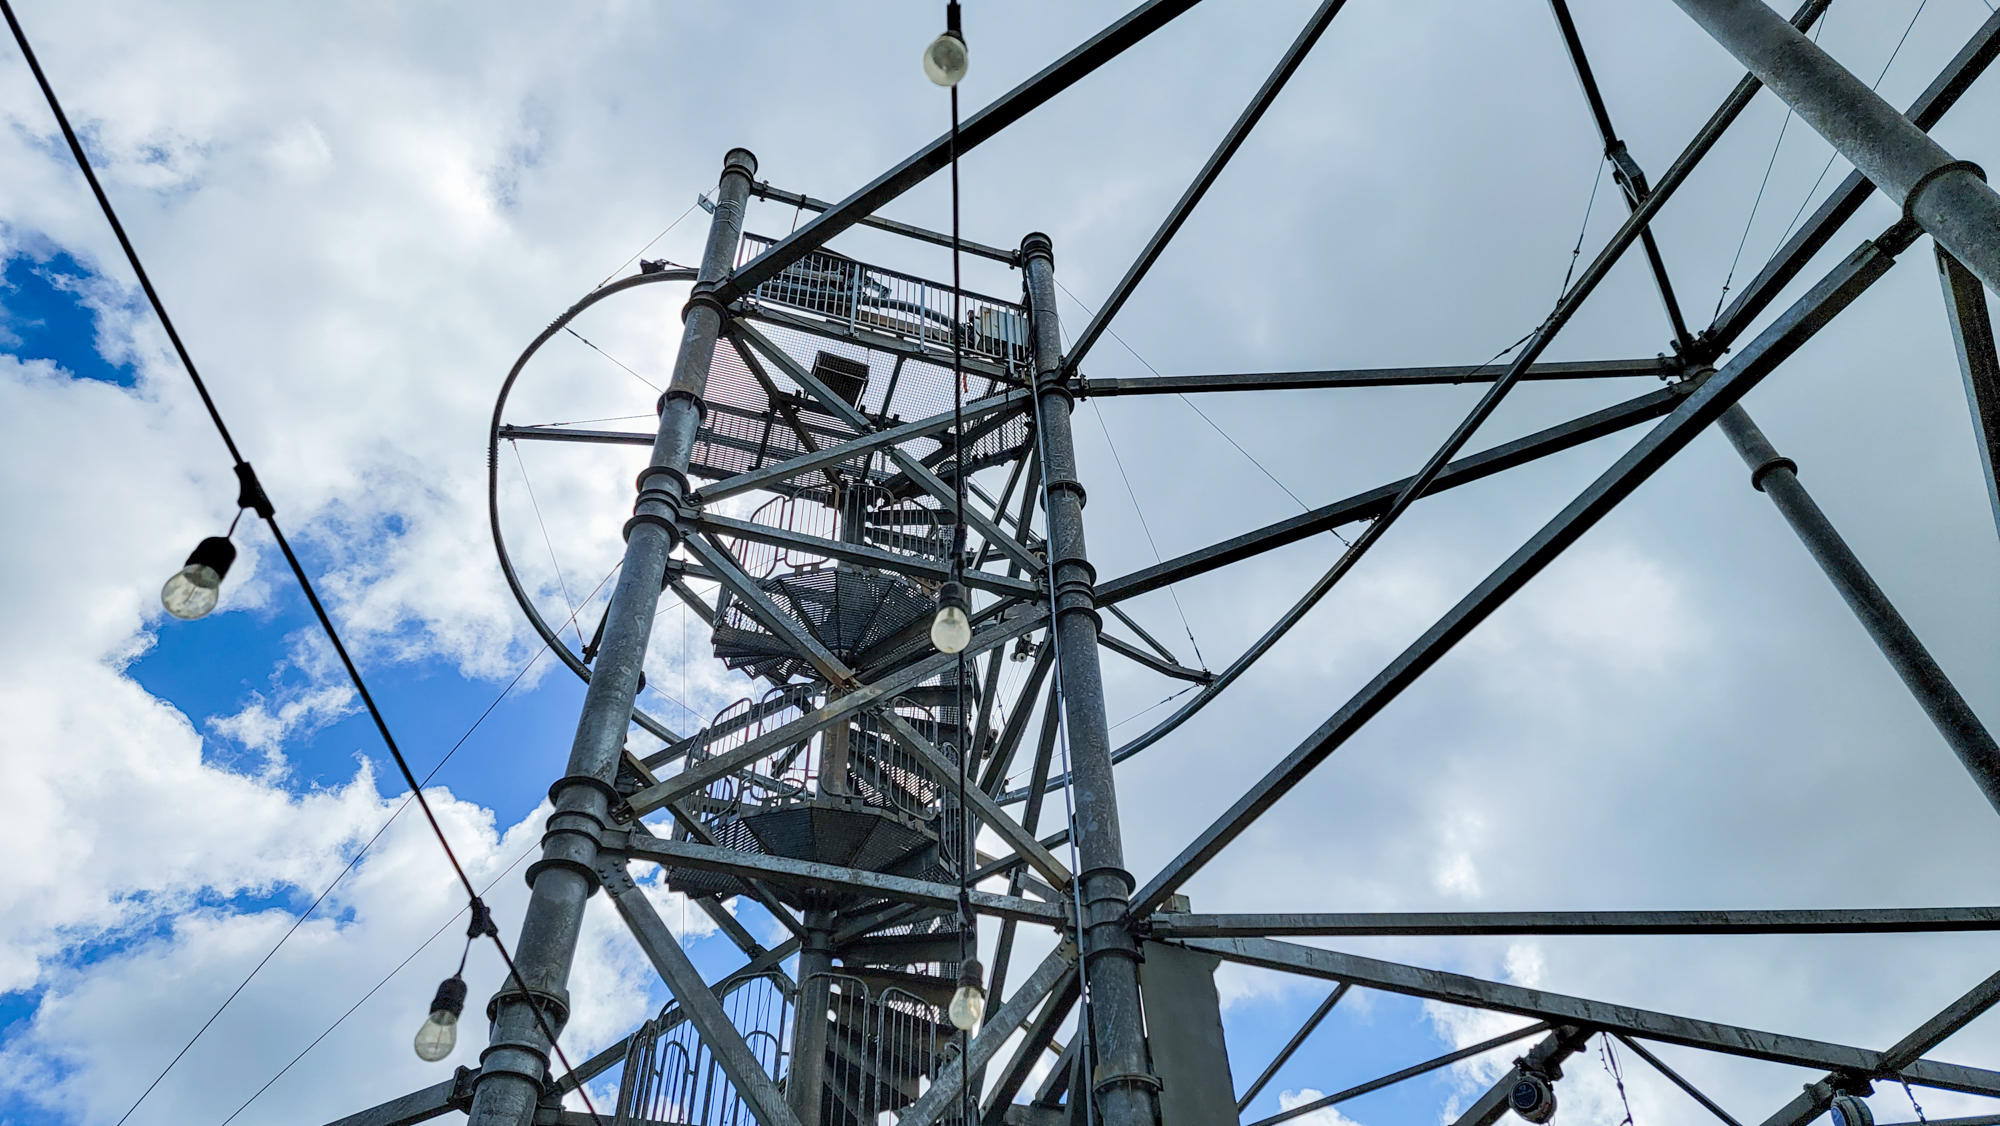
(1893, 920)
(1557, 1008)
(830, 877)
(1370, 377)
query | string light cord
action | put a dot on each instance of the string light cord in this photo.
(376, 988)
(251, 495)
(968, 926)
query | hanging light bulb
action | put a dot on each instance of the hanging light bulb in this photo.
(951, 629)
(946, 60)
(439, 1034)
(968, 1005)
(191, 593)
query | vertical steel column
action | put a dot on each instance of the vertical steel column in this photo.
(514, 1063)
(1947, 197)
(1978, 362)
(803, 1086)
(1776, 477)
(1127, 1093)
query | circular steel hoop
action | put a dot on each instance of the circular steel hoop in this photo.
(550, 636)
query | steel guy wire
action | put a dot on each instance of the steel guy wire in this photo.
(1807, 201)
(1609, 1055)
(614, 360)
(1183, 398)
(1764, 183)
(1147, 528)
(1172, 588)
(1914, 1104)
(252, 495)
(648, 246)
(587, 421)
(561, 582)
(1576, 251)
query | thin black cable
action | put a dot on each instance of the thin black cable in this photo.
(1610, 1057)
(649, 244)
(356, 858)
(1147, 528)
(338, 1021)
(1576, 251)
(1828, 167)
(253, 496)
(613, 359)
(1197, 410)
(968, 932)
(561, 582)
(1752, 219)
(117, 228)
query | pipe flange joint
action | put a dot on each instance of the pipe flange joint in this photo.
(500, 1058)
(565, 864)
(1092, 879)
(1051, 382)
(1924, 181)
(707, 295)
(554, 1008)
(1069, 485)
(658, 521)
(1780, 461)
(677, 484)
(700, 404)
(1101, 1083)
(588, 781)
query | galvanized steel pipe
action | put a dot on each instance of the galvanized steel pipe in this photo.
(516, 1059)
(1777, 477)
(1948, 197)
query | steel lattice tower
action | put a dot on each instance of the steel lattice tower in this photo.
(825, 384)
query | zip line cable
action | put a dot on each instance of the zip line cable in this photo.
(251, 495)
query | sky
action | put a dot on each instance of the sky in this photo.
(359, 213)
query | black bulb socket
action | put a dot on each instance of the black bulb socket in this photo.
(216, 553)
(971, 973)
(450, 996)
(952, 595)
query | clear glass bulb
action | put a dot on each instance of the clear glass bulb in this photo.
(968, 1007)
(191, 593)
(438, 1036)
(951, 630)
(946, 60)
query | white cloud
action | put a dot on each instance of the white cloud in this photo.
(1325, 1116)
(359, 216)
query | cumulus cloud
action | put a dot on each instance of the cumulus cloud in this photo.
(359, 216)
